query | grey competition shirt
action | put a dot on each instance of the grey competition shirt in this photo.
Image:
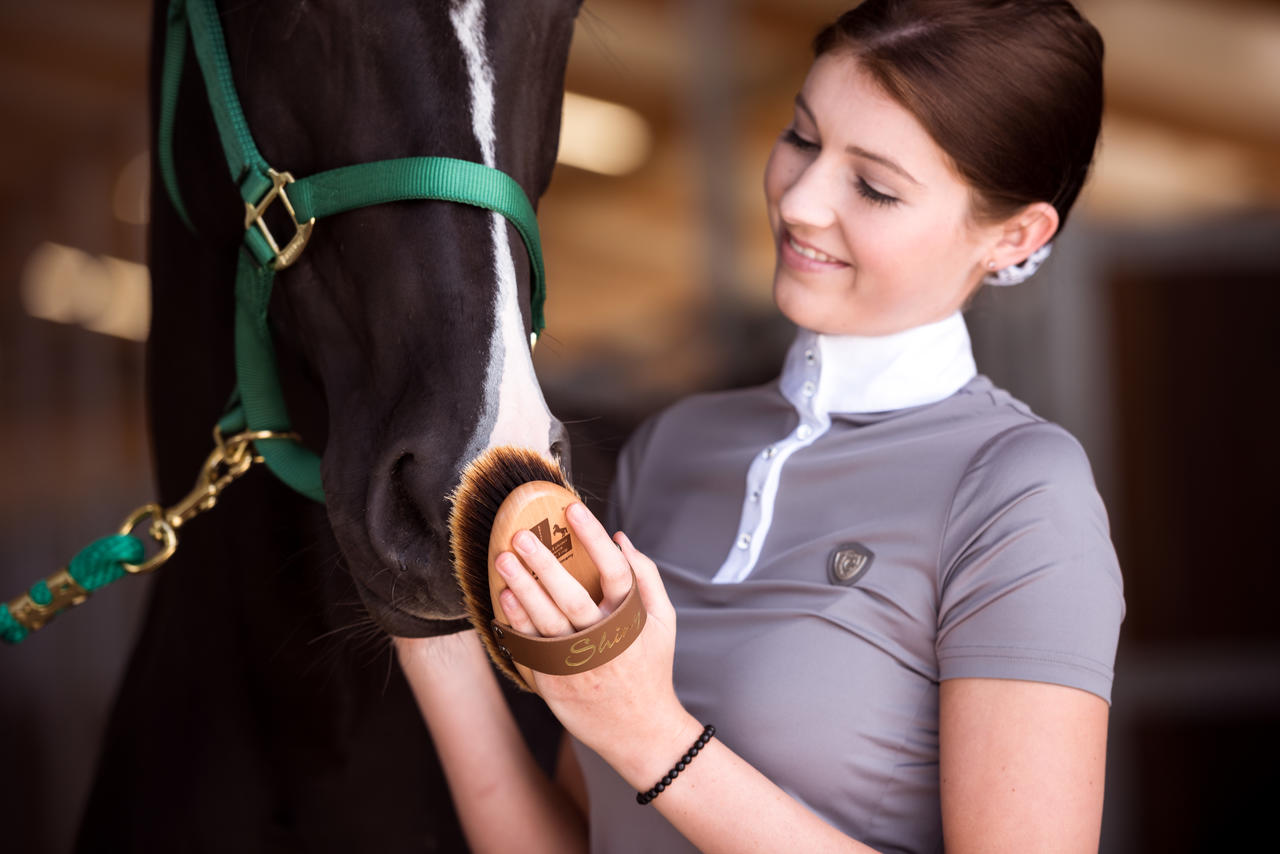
(990, 557)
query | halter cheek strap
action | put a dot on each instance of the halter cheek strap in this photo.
(258, 403)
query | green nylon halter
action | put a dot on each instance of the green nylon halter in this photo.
(259, 402)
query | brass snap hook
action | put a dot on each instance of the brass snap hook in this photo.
(160, 530)
(230, 458)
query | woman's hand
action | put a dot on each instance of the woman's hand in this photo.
(626, 710)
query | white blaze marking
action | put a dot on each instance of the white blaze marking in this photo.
(514, 412)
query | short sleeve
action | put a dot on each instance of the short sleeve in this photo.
(1030, 587)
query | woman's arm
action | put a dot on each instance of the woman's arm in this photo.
(627, 711)
(503, 799)
(1022, 766)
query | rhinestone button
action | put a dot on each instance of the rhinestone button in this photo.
(809, 389)
(770, 452)
(744, 541)
(805, 431)
(810, 357)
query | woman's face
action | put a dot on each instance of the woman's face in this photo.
(871, 223)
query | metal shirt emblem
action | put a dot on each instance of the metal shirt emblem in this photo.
(848, 563)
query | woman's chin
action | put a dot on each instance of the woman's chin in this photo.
(810, 310)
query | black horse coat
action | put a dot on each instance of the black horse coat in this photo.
(262, 709)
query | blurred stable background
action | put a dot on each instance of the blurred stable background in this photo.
(1150, 334)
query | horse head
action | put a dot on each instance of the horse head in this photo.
(403, 330)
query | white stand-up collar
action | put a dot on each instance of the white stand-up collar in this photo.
(859, 373)
(826, 374)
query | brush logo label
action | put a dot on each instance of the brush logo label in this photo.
(555, 537)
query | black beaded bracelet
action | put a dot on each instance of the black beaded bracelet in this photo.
(643, 798)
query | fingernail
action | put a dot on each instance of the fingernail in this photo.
(523, 542)
(505, 563)
(576, 513)
(624, 540)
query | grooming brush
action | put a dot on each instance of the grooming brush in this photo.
(503, 491)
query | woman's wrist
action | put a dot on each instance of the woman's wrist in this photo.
(652, 750)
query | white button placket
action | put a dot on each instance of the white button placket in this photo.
(765, 471)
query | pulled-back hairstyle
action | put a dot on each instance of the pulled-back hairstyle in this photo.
(1011, 90)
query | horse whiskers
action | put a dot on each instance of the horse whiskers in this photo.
(596, 28)
(588, 420)
(391, 663)
(360, 635)
(588, 493)
(363, 623)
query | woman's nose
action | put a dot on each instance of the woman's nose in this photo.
(809, 199)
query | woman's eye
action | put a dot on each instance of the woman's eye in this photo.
(792, 138)
(873, 195)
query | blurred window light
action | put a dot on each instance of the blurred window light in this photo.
(1215, 64)
(129, 199)
(602, 137)
(1148, 171)
(100, 293)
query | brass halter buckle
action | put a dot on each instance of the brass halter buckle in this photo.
(302, 230)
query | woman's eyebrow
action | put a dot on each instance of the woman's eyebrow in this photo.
(859, 151)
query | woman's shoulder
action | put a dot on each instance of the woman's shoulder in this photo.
(1017, 442)
(1029, 584)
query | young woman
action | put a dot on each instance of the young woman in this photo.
(897, 599)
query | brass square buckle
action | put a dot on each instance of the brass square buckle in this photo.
(302, 230)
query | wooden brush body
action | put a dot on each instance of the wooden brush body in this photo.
(502, 492)
(539, 507)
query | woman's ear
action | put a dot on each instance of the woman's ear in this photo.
(1024, 233)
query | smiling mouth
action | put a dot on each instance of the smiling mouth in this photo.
(810, 253)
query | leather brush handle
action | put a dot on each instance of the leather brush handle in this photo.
(580, 651)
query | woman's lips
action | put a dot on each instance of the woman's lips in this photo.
(802, 256)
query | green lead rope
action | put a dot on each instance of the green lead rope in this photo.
(97, 565)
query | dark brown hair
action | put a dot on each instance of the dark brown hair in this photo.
(1011, 90)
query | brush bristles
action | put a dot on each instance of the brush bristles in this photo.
(486, 483)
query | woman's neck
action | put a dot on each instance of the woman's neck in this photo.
(857, 373)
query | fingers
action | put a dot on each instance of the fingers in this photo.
(564, 589)
(516, 613)
(549, 601)
(615, 573)
(652, 591)
(555, 602)
(532, 600)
